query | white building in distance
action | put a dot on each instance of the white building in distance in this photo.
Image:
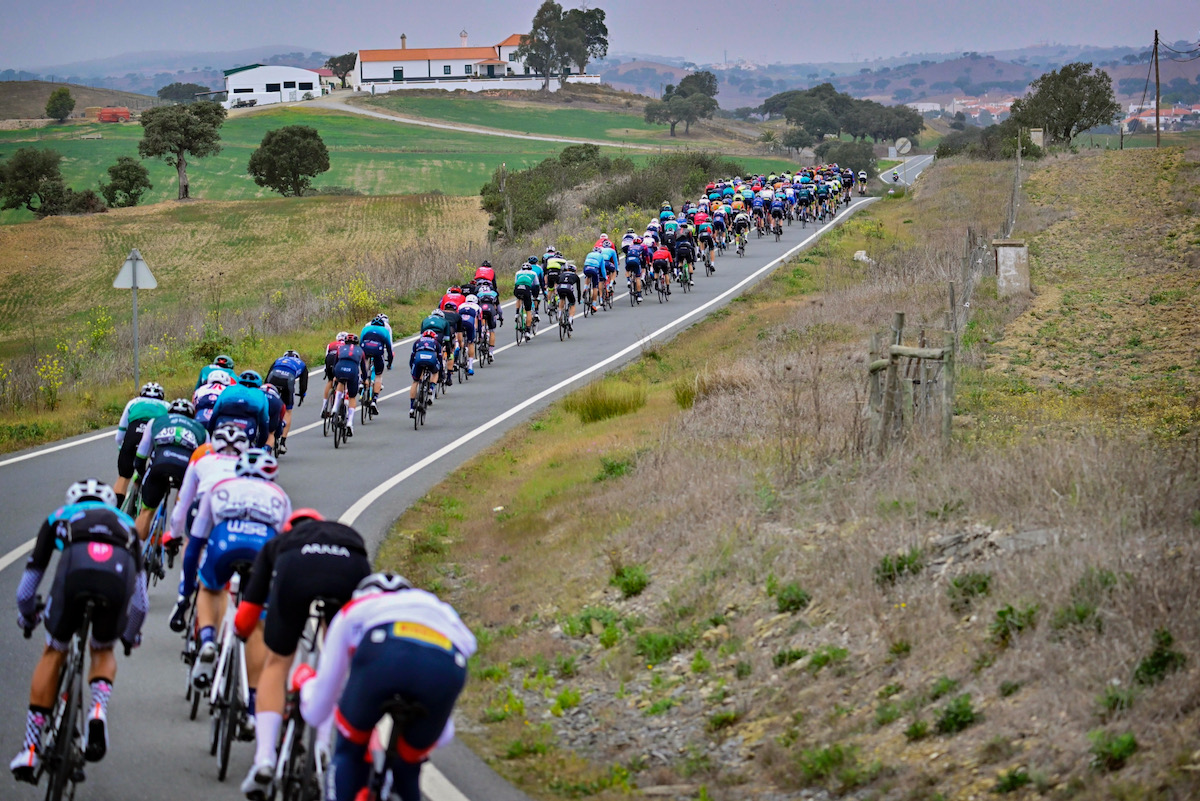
(269, 84)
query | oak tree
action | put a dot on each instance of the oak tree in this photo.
(60, 104)
(288, 159)
(173, 133)
(1068, 101)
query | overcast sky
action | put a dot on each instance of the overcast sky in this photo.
(39, 34)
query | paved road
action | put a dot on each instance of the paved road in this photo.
(156, 752)
(912, 167)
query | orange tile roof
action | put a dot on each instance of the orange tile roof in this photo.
(492, 61)
(428, 53)
(512, 41)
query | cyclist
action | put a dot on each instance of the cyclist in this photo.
(635, 257)
(593, 271)
(163, 455)
(205, 398)
(245, 406)
(149, 404)
(275, 412)
(101, 558)
(485, 272)
(862, 182)
(777, 211)
(706, 237)
(489, 309)
(391, 639)
(206, 467)
(330, 361)
(349, 371)
(289, 374)
(376, 339)
(426, 357)
(540, 289)
(311, 558)
(454, 345)
(627, 240)
(453, 295)
(553, 271)
(469, 314)
(236, 517)
(525, 287)
(663, 263)
(222, 362)
(612, 262)
(568, 292)
(437, 321)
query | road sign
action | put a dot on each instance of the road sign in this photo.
(903, 145)
(135, 273)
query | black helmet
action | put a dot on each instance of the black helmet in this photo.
(486, 263)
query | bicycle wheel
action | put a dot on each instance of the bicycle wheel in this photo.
(339, 429)
(632, 294)
(520, 330)
(65, 749)
(231, 710)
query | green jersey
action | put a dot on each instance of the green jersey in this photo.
(172, 431)
(526, 278)
(437, 323)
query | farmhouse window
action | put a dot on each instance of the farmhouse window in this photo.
(306, 85)
(272, 87)
(446, 70)
(289, 84)
(242, 91)
(468, 69)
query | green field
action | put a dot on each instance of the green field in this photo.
(577, 123)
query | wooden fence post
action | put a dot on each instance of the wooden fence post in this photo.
(889, 406)
(948, 388)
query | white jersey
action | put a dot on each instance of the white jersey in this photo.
(249, 499)
(319, 696)
(470, 307)
(198, 479)
(211, 388)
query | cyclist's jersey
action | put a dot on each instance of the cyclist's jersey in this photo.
(777, 206)
(291, 367)
(568, 279)
(627, 240)
(636, 254)
(526, 278)
(244, 499)
(200, 477)
(662, 254)
(823, 190)
(742, 220)
(87, 521)
(704, 230)
(241, 403)
(684, 250)
(324, 537)
(205, 398)
(594, 261)
(611, 260)
(757, 203)
(469, 312)
(671, 227)
(428, 350)
(414, 613)
(348, 354)
(138, 410)
(435, 322)
(376, 334)
(485, 274)
(177, 433)
(208, 370)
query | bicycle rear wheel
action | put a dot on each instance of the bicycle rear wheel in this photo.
(66, 751)
(230, 710)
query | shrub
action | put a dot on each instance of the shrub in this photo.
(610, 636)
(791, 597)
(886, 713)
(1161, 661)
(942, 687)
(1011, 780)
(605, 399)
(582, 624)
(1010, 622)
(917, 730)
(722, 720)
(528, 194)
(1092, 589)
(1111, 751)
(900, 648)
(1008, 688)
(818, 764)
(826, 655)
(890, 690)
(700, 663)
(786, 657)
(657, 646)
(630, 579)
(613, 468)
(660, 706)
(964, 589)
(892, 568)
(1115, 700)
(957, 715)
(670, 177)
(743, 669)
(567, 666)
(567, 699)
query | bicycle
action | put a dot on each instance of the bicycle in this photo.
(483, 348)
(366, 397)
(661, 285)
(188, 656)
(229, 698)
(424, 390)
(460, 364)
(564, 326)
(586, 301)
(778, 230)
(339, 415)
(741, 243)
(152, 550)
(299, 772)
(552, 308)
(685, 275)
(398, 712)
(608, 297)
(62, 741)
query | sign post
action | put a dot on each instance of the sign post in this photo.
(135, 274)
(902, 147)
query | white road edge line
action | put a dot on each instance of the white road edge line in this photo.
(358, 507)
(17, 553)
(435, 785)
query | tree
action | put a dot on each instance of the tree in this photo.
(796, 138)
(128, 180)
(181, 92)
(590, 23)
(342, 65)
(539, 49)
(672, 112)
(60, 105)
(31, 179)
(1067, 102)
(812, 115)
(173, 133)
(288, 159)
(704, 83)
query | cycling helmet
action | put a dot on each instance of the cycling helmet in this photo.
(290, 352)
(485, 263)
(630, 231)
(271, 389)
(450, 306)
(221, 377)
(341, 337)
(182, 406)
(230, 436)
(351, 339)
(637, 240)
(224, 361)
(571, 267)
(437, 313)
(377, 321)
(472, 298)
(596, 249)
(533, 259)
(376, 583)
(257, 463)
(250, 378)
(91, 489)
(429, 332)
(299, 516)
(453, 290)
(385, 319)
(153, 390)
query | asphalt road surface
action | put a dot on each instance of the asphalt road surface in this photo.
(155, 751)
(908, 170)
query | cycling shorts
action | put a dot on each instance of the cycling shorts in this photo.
(777, 214)
(330, 360)
(298, 579)
(592, 275)
(350, 373)
(633, 267)
(424, 362)
(284, 384)
(129, 446)
(204, 415)
(375, 359)
(93, 569)
(567, 294)
(167, 466)
(661, 265)
(468, 329)
(489, 316)
(525, 295)
(231, 542)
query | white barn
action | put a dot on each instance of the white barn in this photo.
(269, 84)
(472, 68)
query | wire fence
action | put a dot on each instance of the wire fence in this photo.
(978, 260)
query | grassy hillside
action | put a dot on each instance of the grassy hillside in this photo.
(752, 605)
(27, 99)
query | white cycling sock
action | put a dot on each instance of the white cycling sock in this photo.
(266, 734)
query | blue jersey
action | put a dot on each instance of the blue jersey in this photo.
(376, 340)
(290, 366)
(611, 262)
(594, 261)
(245, 405)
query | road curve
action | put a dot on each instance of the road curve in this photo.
(156, 751)
(911, 168)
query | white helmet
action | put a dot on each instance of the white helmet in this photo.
(91, 489)
(221, 377)
(341, 337)
(230, 436)
(257, 463)
(385, 581)
(472, 299)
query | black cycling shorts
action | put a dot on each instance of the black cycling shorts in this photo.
(129, 446)
(525, 295)
(351, 374)
(489, 316)
(284, 384)
(299, 578)
(165, 472)
(567, 293)
(331, 359)
(91, 569)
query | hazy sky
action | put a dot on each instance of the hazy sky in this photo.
(40, 34)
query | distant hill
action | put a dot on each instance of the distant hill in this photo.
(26, 100)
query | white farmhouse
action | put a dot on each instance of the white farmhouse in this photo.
(269, 84)
(472, 68)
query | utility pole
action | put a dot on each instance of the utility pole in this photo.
(1157, 123)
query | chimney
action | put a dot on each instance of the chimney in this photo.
(404, 41)
(463, 37)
